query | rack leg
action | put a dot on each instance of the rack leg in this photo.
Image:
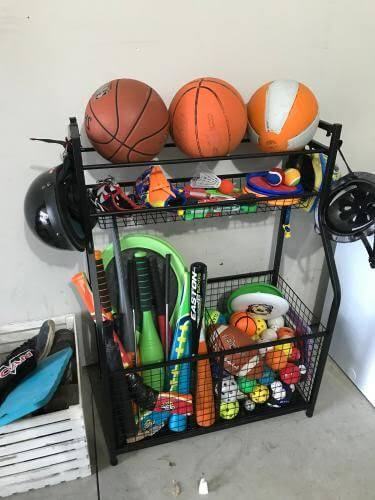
(332, 270)
(279, 246)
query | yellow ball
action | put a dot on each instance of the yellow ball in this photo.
(286, 348)
(260, 394)
(292, 177)
(261, 325)
(229, 410)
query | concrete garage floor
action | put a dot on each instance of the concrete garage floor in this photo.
(328, 457)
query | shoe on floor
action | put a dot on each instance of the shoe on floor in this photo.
(45, 338)
(16, 366)
(63, 338)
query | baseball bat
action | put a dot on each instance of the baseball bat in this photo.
(198, 281)
(179, 375)
(167, 285)
(158, 298)
(132, 279)
(146, 397)
(114, 357)
(150, 347)
(204, 394)
(124, 312)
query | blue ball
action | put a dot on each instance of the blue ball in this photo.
(268, 377)
(274, 178)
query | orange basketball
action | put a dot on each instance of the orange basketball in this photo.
(208, 118)
(243, 322)
(126, 121)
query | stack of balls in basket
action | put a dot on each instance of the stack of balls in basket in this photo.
(256, 376)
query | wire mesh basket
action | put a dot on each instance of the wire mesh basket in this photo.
(145, 216)
(224, 388)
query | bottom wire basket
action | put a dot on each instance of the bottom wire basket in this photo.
(225, 388)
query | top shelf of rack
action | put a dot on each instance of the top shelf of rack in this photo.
(313, 147)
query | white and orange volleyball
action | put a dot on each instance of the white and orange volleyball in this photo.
(283, 115)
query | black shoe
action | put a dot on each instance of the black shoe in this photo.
(45, 338)
(16, 366)
(65, 338)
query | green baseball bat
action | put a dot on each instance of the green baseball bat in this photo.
(150, 346)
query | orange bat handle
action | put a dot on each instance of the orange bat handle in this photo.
(83, 288)
(204, 391)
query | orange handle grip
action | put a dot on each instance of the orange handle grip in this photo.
(83, 288)
(204, 391)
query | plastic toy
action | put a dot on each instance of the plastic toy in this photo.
(153, 189)
(261, 325)
(260, 394)
(229, 410)
(229, 390)
(246, 385)
(281, 394)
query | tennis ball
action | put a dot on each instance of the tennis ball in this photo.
(275, 176)
(229, 410)
(243, 322)
(260, 394)
(261, 325)
(245, 384)
(292, 177)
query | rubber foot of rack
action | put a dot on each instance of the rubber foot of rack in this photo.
(309, 413)
(113, 460)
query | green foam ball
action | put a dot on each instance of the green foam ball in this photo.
(246, 385)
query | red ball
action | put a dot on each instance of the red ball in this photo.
(295, 355)
(290, 374)
(226, 186)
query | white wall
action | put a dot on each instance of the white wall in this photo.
(54, 54)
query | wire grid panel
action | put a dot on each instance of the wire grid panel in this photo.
(223, 387)
(129, 218)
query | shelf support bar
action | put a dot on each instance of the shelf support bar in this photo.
(106, 410)
(279, 246)
(332, 270)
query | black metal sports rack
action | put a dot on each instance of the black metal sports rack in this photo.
(314, 339)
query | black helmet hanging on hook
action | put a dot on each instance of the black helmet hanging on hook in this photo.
(348, 213)
(51, 209)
